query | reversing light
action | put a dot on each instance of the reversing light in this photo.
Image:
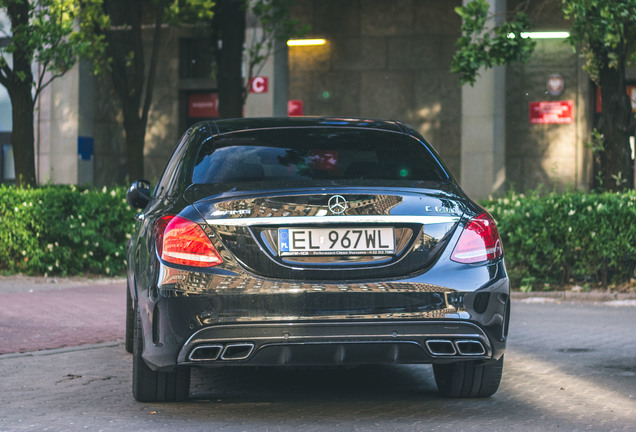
(182, 241)
(478, 242)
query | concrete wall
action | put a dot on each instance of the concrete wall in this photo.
(547, 154)
(552, 155)
(391, 59)
(385, 59)
(56, 130)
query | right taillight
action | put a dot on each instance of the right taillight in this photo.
(478, 242)
(182, 241)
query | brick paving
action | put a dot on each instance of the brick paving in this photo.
(37, 316)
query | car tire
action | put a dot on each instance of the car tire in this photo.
(152, 386)
(130, 322)
(468, 379)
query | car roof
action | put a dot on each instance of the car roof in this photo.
(251, 124)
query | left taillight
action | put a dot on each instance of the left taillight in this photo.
(182, 241)
(478, 242)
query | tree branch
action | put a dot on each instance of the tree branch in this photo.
(47, 82)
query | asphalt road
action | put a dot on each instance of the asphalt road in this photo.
(569, 366)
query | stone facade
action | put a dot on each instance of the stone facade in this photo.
(386, 59)
(547, 154)
(391, 59)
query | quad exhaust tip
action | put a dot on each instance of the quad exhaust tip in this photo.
(447, 347)
(228, 352)
(237, 351)
(441, 347)
(205, 353)
(470, 348)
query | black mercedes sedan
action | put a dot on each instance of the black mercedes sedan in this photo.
(312, 242)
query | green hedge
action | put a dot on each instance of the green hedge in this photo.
(549, 240)
(568, 238)
(64, 230)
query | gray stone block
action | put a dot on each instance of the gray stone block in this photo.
(386, 95)
(359, 54)
(387, 17)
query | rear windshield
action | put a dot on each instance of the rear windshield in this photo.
(302, 155)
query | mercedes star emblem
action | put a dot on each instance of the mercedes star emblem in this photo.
(337, 204)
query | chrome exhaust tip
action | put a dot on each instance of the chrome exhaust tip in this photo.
(237, 351)
(470, 348)
(205, 353)
(441, 347)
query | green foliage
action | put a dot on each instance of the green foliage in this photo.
(483, 44)
(605, 30)
(189, 11)
(89, 39)
(567, 238)
(42, 31)
(63, 230)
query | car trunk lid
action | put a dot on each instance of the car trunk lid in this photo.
(306, 234)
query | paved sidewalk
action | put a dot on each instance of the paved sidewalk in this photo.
(45, 313)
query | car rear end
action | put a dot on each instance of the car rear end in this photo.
(325, 245)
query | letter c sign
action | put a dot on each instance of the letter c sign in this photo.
(259, 84)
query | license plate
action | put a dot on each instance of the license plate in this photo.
(336, 241)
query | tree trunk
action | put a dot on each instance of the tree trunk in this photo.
(616, 164)
(126, 48)
(19, 84)
(22, 135)
(230, 15)
(135, 130)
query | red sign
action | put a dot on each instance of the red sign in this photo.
(295, 108)
(259, 84)
(552, 112)
(203, 105)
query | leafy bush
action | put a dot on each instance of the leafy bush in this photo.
(548, 240)
(63, 230)
(567, 238)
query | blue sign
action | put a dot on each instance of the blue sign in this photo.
(283, 240)
(85, 146)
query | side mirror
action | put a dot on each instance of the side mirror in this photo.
(138, 195)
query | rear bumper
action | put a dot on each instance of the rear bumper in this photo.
(216, 320)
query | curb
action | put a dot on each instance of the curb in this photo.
(21, 283)
(573, 296)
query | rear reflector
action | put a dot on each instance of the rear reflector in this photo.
(478, 242)
(183, 242)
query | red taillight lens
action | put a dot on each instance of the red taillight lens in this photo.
(478, 242)
(181, 241)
